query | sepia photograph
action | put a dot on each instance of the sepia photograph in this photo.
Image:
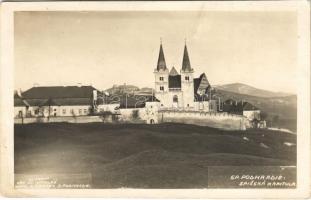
(156, 98)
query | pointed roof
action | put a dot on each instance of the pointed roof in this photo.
(201, 83)
(161, 60)
(186, 61)
(173, 72)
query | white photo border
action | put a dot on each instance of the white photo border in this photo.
(303, 97)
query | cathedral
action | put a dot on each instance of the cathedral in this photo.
(181, 90)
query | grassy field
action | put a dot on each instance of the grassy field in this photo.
(145, 156)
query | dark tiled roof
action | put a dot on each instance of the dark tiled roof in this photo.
(161, 60)
(60, 102)
(18, 101)
(174, 81)
(36, 102)
(248, 106)
(50, 102)
(233, 106)
(59, 92)
(73, 101)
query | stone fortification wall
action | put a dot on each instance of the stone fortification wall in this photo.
(212, 119)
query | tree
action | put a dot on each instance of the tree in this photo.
(105, 115)
(135, 114)
(263, 115)
(255, 122)
(275, 120)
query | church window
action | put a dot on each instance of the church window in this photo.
(175, 98)
(187, 78)
(161, 78)
(187, 105)
(162, 88)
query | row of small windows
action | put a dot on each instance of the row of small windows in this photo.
(162, 88)
(72, 111)
(161, 78)
(64, 111)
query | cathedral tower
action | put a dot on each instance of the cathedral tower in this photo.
(187, 86)
(161, 78)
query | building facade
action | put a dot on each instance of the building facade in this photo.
(56, 101)
(181, 90)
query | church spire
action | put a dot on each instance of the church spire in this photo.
(161, 59)
(186, 61)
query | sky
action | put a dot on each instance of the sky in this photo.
(117, 47)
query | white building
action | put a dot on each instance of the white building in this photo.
(181, 90)
(20, 107)
(56, 101)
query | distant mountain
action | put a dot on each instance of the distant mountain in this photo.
(129, 89)
(118, 89)
(241, 88)
(279, 104)
(285, 107)
(145, 91)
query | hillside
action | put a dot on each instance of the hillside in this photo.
(283, 107)
(278, 106)
(241, 88)
(145, 156)
(117, 89)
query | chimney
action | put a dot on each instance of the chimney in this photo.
(95, 98)
(19, 92)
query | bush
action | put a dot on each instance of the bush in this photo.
(135, 114)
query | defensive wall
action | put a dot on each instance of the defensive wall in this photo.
(149, 115)
(212, 119)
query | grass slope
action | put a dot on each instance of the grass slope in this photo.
(145, 156)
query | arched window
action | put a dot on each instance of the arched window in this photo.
(175, 98)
